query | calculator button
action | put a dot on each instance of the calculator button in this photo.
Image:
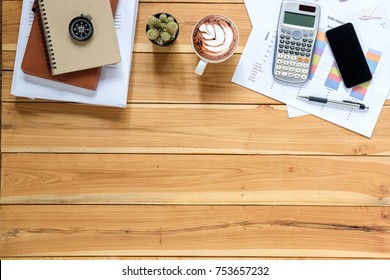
(285, 68)
(286, 62)
(311, 34)
(288, 37)
(281, 46)
(304, 40)
(288, 32)
(297, 35)
(306, 66)
(298, 70)
(298, 44)
(280, 55)
(291, 52)
(278, 73)
(305, 34)
(297, 76)
(310, 41)
(293, 43)
(284, 74)
(302, 54)
(279, 61)
(304, 71)
(278, 67)
(304, 77)
(299, 64)
(290, 75)
(283, 30)
(286, 56)
(306, 60)
(292, 63)
(309, 45)
(299, 59)
(296, 53)
(293, 57)
(280, 50)
(308, 54)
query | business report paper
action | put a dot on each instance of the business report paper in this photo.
(254, 71)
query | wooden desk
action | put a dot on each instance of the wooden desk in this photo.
(194, 167)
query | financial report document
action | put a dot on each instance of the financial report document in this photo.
(254, 71)
(375, 13)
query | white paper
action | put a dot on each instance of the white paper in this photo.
(254, 71)
(113, 84)
(375, 12)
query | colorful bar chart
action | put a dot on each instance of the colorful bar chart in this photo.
(334, 78)
(373, 57)
(319, 48)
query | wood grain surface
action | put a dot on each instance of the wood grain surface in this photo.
(194, 167)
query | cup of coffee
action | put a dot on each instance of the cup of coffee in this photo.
(214, 39)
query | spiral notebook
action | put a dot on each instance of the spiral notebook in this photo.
(35, 61)
(68, 55)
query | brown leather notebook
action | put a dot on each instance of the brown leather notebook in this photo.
(35, 60)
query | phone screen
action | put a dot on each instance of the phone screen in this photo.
(349, 55)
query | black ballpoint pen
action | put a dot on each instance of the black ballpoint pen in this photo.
(353, 104)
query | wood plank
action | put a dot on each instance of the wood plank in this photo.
(179, 85)
(201, 179)
(214, 86)
(200, 129)
(186, 13)
(8, 60)
(10, 24)
(195, 231)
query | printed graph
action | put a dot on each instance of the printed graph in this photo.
(334, 78)
(373, 57)
(319, 48)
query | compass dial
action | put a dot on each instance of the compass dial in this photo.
(81, 28)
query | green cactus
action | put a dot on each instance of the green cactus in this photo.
(165, 36)
(153, 22)
(162, 29)
(153, 34)
(172, 27)
(163, 18)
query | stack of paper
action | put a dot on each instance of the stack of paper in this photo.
(254, 69)
(114, 80)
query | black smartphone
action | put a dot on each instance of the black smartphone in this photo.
(349, 56)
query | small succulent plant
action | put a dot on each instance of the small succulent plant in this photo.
(162, 29)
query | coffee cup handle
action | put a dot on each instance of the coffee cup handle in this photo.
(200, 68)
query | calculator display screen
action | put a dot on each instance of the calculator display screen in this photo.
(299, 19)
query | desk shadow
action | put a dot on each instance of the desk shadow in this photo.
(51, 109)
(166, 62)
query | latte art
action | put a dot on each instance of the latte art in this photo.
(215, 38)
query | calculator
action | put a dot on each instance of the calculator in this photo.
(294, 44)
